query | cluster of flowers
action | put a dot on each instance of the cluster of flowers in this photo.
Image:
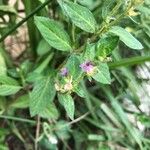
(87, 67)
(65, 87)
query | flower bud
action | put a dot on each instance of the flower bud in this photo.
(64, 72)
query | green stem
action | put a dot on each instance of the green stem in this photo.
(73, 33)
(129, 61)
(24, 20)
(115, 9)
(6, 56)
(29, 6)
(17, 119)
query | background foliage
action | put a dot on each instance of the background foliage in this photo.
(76, 85)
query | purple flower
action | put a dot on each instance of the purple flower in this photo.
(87, 67)
(64, 72)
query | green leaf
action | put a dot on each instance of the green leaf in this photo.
(68, 103)
(13, 73)
(6, 90)
(103, 74)
(9, 9)
(50, 112)
(79, 91)
(3, 68)
(106, 45)
(107, 7)
(43, 48)
(42, 94)
(33, 77)
(73, 66)
(88, 3)
(144, 10)
(126, 37)
(21, 102)
(89, 53)
(44, 64)
(8, 86)
(25, 67)
(8, 80)
(53, 33)
(81, 16)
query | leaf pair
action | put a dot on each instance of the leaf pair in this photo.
(102, 48)
(108, 43)
(54, 33)
(41, 100)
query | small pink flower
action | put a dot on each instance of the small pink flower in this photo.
(64, 72)
(87, 67)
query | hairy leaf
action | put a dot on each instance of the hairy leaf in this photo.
(89, 53)
(8, 86)
(72, 65)
(79, 91)
(80, 16)
(42, 94)
(50, 112)
(68, 103)
(21, 102)
(53, 33)
(103, 74)
(126, 37)
(43, 48)
(106, 45)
